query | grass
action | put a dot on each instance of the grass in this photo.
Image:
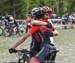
(65, 42)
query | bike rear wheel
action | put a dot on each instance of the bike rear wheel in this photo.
(22, 61)
(6, 32)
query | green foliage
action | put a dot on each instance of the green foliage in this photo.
(19, 8)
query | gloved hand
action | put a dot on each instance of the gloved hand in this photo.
(49, 25)
(11, 50)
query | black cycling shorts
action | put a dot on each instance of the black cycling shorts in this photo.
(46, 49)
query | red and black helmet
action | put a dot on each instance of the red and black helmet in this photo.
(47, 9)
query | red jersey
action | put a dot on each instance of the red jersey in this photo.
(52, 29)
(36, 27)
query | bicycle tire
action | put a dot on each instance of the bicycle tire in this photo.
(22, 31)
(14, 32)
(6, 33)
(19, 61)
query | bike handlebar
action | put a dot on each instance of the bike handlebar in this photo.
(23, 51)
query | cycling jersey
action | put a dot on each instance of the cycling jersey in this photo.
(34, 29)
(41, 37)
(37, 37)
(65, 19)
(42, 44)
(35, 34)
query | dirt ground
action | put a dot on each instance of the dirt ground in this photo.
(65, 42)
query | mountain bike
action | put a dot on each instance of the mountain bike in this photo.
(23, 55)
(21, 29)
(1, 28)
(10, 30)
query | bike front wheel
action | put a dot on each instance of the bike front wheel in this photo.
(22, 31)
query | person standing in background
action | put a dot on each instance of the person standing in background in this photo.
(28, 22)
(65, 20)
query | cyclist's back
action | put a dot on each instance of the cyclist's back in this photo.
(42, 38)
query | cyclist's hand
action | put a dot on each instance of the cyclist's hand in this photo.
(11, 50)
(49, 25)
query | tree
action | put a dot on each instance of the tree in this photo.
(19, 8)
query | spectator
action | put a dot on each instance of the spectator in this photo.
(28, 22)
(65, 19)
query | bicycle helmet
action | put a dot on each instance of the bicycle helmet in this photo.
(38, 12)
(47, 9)
(11, 18)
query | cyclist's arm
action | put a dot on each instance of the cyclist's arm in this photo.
(21, 40)
(49, 20)
(31, 31)
(37, 22)
(55, 32)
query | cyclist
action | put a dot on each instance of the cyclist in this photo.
(65, 20)
(28, 22)
(10, 22)
(71, 20)
(45, 48)
(36, 45)
(46, 19)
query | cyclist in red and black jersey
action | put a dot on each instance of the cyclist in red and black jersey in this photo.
(46, 19)
(46, 48)
(44, 22)
(36, 45)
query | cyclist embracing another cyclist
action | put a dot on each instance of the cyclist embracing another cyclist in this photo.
(46, 20)
(42, 33)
